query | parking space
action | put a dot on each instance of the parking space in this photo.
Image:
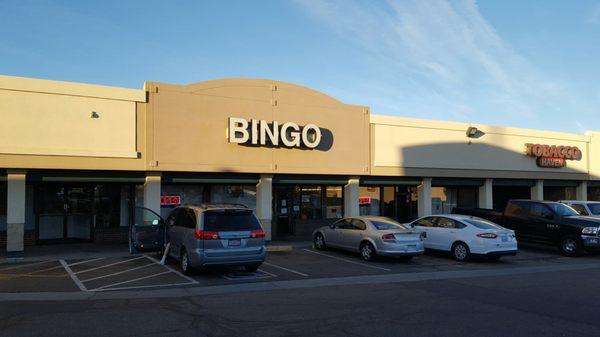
(119, 273)
(139, 272)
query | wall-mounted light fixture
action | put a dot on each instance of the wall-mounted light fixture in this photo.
(472, 132)
(95, 115)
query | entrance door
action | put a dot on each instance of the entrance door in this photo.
(65, 213)
(283, 200)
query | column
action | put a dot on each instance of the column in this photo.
(152, 191)
(486, 195)
(15, 212)
(351, 191)
(264, 203)
(537, 190)
(424, 197)
(582, 191)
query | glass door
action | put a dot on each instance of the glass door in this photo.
(64, 213)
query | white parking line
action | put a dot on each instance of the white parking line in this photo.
(87, 261)
(118, 273)
(286, 269)
(172, 270)
(73, 276)
(253, 276)
(148, 286)
(345, 260)
(108, 265)
(133, 280)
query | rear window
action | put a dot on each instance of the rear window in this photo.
(382, 224)
(482, 224)
(230, 220)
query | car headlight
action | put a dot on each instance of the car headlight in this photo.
(590, 230)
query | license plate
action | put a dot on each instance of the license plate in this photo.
(505, 239)
(236, 242)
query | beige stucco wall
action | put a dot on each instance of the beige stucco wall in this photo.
(49, 124)
(188, 130)
(419, 147)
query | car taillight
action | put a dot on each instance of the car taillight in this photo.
(257, 233)
(388, 237)
(487, 235)
(206, 235)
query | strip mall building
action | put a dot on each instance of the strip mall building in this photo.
(76, 158)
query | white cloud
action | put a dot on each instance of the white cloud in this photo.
(444, 60)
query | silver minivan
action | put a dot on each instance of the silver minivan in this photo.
(215, 235)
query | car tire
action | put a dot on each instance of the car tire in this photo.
(461, 252)
(570, 246)
(252, 268)
(319, 242)
(184, 262)
(367, 251)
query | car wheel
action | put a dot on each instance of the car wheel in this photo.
(461, 252)
(570, 246)
(252, 268)
(185, 262)
(319, 241)
(367, 251)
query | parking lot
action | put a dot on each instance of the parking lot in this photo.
(139, 272)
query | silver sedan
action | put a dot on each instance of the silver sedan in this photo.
(370, 236)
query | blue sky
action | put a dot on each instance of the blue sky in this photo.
(532, 64)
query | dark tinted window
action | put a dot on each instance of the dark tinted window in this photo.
(540, 210)
(516, 208)
(185, 217)
(562, 209)
(230, 220)
(594, 208)
(344, 224)
(580, 209)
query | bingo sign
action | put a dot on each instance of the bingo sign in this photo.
(170, 200)
(364, 200)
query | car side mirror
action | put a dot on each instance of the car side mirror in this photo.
(155, 222)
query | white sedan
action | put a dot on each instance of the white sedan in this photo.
(465, 235)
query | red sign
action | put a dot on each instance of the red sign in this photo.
(552, 156)
(364, 200)
(170, 200)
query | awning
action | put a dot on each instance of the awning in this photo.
(444, 182)
(310, 180)
(561, 183)
(389, 181)
(514, 182)
(217, 178)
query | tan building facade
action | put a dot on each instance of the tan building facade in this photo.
(76, 159)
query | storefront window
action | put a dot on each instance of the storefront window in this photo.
(593, 193)
(555, 193)
(369, 201)
(189, 194)
(310, 202)
(235, 194)
(333, 202)
(389, 202)
(112, 205)
(445, 199)
(2, 198)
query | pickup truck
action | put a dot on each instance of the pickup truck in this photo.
(545, 222)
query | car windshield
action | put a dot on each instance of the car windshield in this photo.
(594, 208)
(230, 220)
(383, 224)
(481, 223)
(562, 209)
